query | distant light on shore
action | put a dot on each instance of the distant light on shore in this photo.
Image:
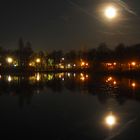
(9, 60)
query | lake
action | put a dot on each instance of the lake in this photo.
(69, 106)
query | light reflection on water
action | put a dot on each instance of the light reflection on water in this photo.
(88, 107)
(103, 87)
(110, 120)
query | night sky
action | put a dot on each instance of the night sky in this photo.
(67, 24)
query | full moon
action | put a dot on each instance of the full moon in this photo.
(110, 12)
(110, 120)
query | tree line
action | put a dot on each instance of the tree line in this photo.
(94, 56)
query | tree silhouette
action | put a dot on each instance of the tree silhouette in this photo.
(24, 53)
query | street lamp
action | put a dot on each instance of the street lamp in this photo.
(9, 60)
(133, 84)
(38, 60)
(82, 63)
(133, 63)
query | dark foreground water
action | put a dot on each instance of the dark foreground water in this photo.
(69, 107)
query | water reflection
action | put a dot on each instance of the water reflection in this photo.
(81, 105)
(9, 78)
(104, 88)
(38, 77)
(110, 120)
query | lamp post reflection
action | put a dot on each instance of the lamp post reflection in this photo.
(9, 79)
(38, 77)
(83, 77)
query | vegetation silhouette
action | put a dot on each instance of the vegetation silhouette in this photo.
(25, 88)
(25, 58)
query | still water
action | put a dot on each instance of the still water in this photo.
(69, 106)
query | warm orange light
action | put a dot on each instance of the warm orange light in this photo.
(110, 78)
(82, 78)
(114, 63)
(9, 60)
(82, 63)
(133, 84)
(38, 77)
(133, 63)
(61, 66)
(38, 60)
(109, 64)
(114, 82)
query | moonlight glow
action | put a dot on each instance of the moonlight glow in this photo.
(110, 12)
(110, 120)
